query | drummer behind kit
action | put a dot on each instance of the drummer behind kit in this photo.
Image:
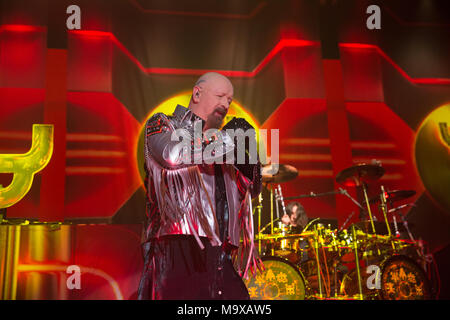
(369, 260)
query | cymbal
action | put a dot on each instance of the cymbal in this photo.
(392, 196)
(360, 172)
(285, 173)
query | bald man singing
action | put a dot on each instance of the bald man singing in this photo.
(198, 204)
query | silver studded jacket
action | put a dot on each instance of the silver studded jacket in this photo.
(180, 194)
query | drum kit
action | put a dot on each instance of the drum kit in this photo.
(368, 260)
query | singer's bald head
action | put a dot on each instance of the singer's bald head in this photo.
(212, 77)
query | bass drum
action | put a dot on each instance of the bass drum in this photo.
(401, 279)
(280, 280)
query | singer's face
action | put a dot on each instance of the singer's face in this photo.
(216, 97)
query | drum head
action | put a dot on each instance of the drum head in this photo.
(280, 280)
(403, 279)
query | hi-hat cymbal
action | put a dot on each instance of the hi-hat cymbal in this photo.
(362, 172)
(392, 196)
(277, 173)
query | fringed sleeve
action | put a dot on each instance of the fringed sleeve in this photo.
(177, 186)
(246, 258)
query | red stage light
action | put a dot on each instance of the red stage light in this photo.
(283, 43)
(21, 28)
(436, 81)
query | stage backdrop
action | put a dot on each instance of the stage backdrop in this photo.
(339, 93)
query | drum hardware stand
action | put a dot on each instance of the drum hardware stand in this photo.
(346, 221)
(280, 195)
(271, 212)
(336, 247)
(383, 206)
(405, 223)
(426, 258)
(335, 279)
(277, 198)
(366, 198)
(397, 233)
(358, 270)
(276, 205)
(312, 195)
(315, 195)
(259, 208)
(316, 249)
(384, 209)
(280, 198)
(272, 250)
(394, 217)
(345, 193)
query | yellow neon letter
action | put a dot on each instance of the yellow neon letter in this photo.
(24, 166)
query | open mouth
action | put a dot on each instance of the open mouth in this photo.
(221, 112)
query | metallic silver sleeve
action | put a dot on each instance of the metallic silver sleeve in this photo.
(175, 145)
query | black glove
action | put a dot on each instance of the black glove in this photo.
(247, 168)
